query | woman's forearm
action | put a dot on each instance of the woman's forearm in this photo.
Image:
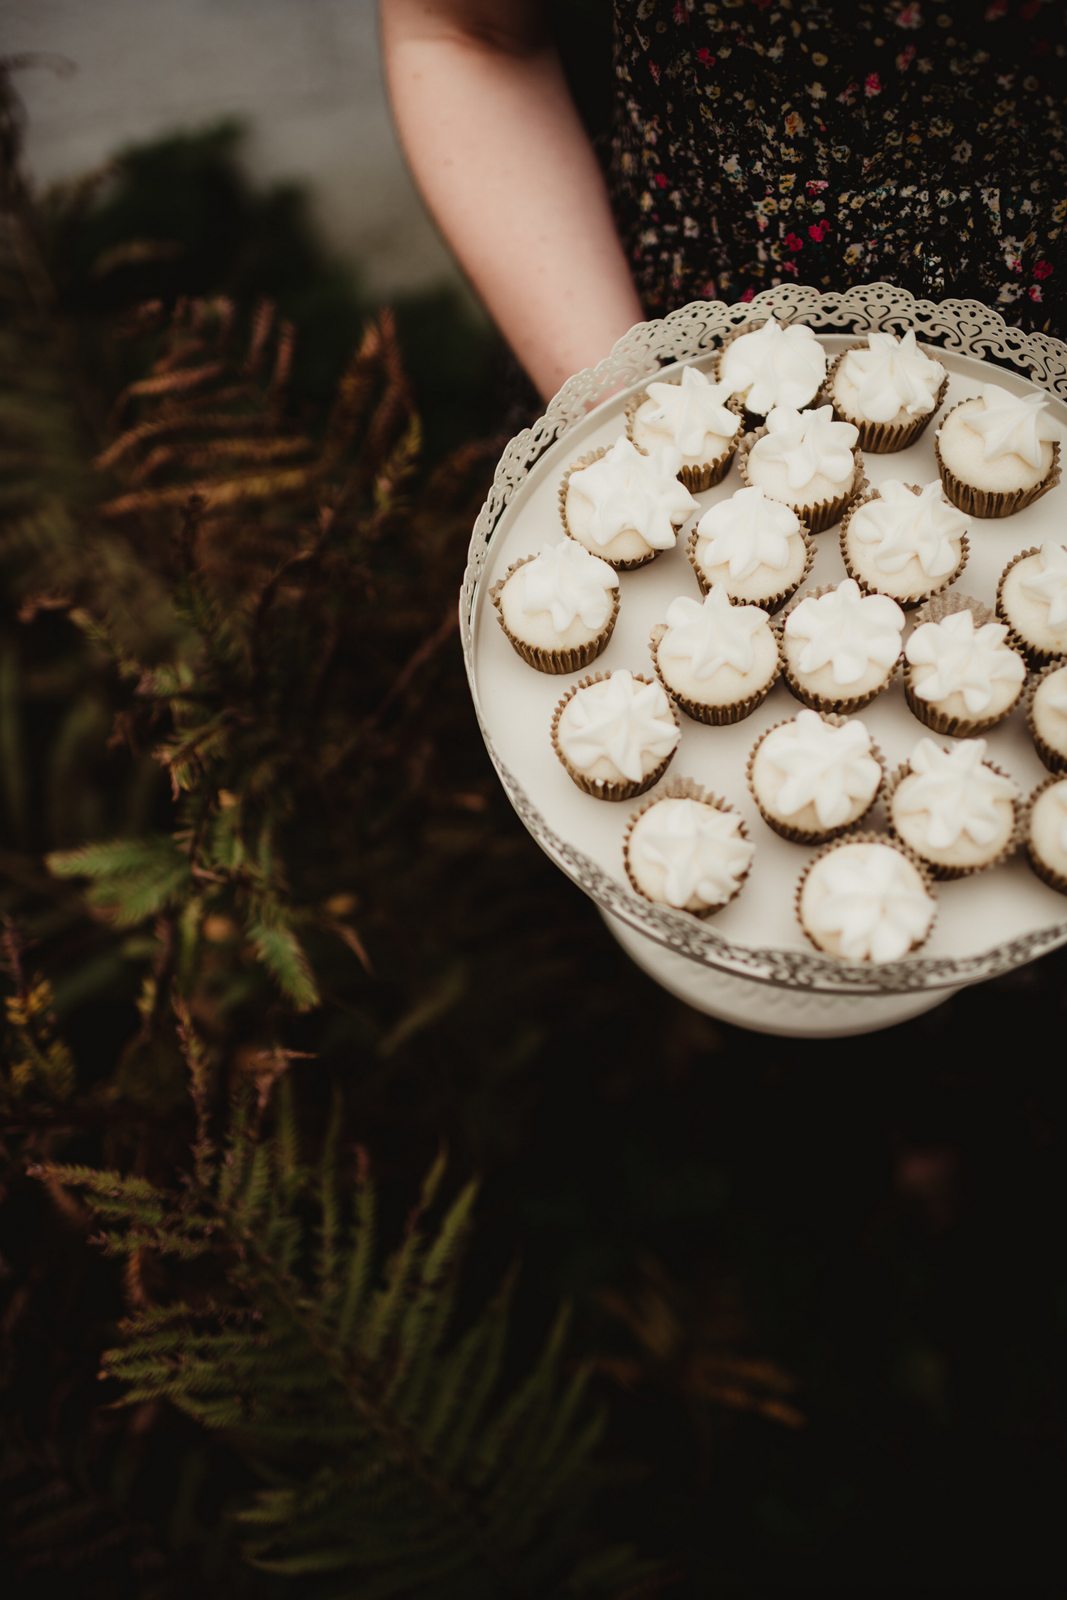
(499, 152)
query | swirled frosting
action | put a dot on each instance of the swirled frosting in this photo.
(822, 765)
(957, 791)
(774, 366)
(809, 445)
(965, 660)
(567, 582)
(871, 898)
(908, 527)
(746, 532)
(626, 489)
(1047, 582)
(698, 848)
(618, 718)
(685, 413)
(712, 634)
(847, 631)
(892, 376)
(1012, 424)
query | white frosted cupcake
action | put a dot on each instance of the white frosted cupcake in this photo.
(716, 660)
(840, 647)
(806, 460)
(956, 810)
(773, 365)
(756, 547)
(865, 899)
(624, 506)
(689, 414)
(1032, 600)
(903, 541)
(1046, 716)
(960, 674)
(998, 452)
(1046, 833)
(558, 609)
(889, 388)
(688, 850)
(815, 776)
(615, 734)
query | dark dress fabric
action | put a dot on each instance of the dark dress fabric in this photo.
(758, 142)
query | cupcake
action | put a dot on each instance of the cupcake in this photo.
(623, 506)
(756, 547)
(688, 850)
(815, 776)
(839, 647)
(865, 899)
(888, 388)
(806, 460)
(716, 660)
(1032, 600)
(690, 415)
(615, 733)
(1046, 833)
(998, 452)
(772, 365)
(1046, 716)
(558, 609)
(953, 808)
(903, 541)
(960, 677)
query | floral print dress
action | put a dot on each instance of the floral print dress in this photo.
(757, 142)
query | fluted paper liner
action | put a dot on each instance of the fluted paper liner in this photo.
(937, 869)
(817, 702)
(720, 716)
(685, 789)
(773, 602)
(625, 790)
(705, 475)
(867, 838)
(554, 661)
(909, 602)
(881, 438)
(941, 606)
(824, 513)
(619, 566)
(785, 830)
(1054, 760)
(1036, 655)
(1040, 866)
(989, 502)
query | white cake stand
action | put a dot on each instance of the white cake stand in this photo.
(751, 964)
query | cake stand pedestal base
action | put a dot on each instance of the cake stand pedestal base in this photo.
(765, 1007)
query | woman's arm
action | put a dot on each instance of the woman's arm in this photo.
(499, 152)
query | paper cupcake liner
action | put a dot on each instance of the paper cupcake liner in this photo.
(1054, 760)
(785, 830)
(684, 789)
(842, 704)
(571, 659)
(937, 585)
(944, 605)
(1036, 655)
(712, 716)
(938, 870)
(705, 475)
(825, 513)
(1038, 864)
(988, 502)
(634, 562)
(881, 438)
(771, 603)
(868, 838)
(623, 790)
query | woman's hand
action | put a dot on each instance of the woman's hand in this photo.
(499, 152)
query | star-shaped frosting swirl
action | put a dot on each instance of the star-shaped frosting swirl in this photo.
(809, 444)
(711, 634)
(699, 848)
(906, 527)
(688, 411)
(892, 375)
(846, 631)
(774, 366)
(966, 660)
(872, 902)
(748, 531)
(568, 582)
(626, 489)
(1049, 585)
(825, 766)
(1011, 424)
(619, 718)
(957, 791)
